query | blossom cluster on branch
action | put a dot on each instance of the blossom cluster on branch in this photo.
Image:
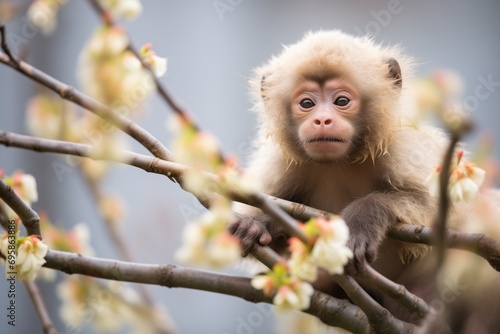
(113, 72)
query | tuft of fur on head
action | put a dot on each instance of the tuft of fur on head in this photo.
(321, 56)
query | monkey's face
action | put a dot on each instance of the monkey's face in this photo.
(325, 113)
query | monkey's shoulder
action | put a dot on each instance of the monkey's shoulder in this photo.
(415, 149)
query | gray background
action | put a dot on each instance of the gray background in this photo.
(209, 55)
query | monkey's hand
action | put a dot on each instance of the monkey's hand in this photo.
(368, 222)
(364, 246)
(249, 230)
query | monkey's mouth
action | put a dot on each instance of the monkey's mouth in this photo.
(326, 139)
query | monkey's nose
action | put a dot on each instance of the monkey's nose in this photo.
(323, 121)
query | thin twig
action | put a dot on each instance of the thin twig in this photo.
(162, 91)
(444, 204)
(398, 292)
(28, 216)
(265, 255)
(5, 46)
(380, 318)
(176, 107)
(149, 164)
(278, 214)
(477, 243)
(71, 94)
(444, 200)
(3, 218)
(40, 307)
(118, 240)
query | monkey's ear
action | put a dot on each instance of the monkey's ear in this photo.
(394, 72)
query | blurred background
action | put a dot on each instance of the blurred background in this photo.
(211, 47)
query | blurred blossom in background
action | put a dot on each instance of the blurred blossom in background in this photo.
(211, 47)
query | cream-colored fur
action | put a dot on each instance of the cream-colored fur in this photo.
(386, 178)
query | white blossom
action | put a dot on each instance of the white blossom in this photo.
(192, 249)
(43, 14)
(222, 250)
(464, 181)
(432, 181)
(4, 245)
(206, 241)
(197, 149)
(158, 65)
(201, 248)
(127, 9)
(73, 310)
(303, 268)
(79, 236)
(476, 174)
(296, 296)
(44, 116)
(329, 250)
(263, 282)
(463, 189)
(106, 42)
(28, 187)
(30, 257)
(331, 255)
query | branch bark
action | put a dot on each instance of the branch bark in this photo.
(399, 293)
(71, 94)
(28, 216)
(40, 307)
(331, 311)
(174, 105)
(477, 243)
(382, 321)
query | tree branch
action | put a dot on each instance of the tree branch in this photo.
(477, 243)
(443, 204)
(278, 214)
(5, 46)
(162, 91)
(444, 200)
(28, 216)
(174, 105)
(332, 311)
(148, 164)
(40, 307)
(381, 320)
(399, 293)
(71, 94)
(116, 237)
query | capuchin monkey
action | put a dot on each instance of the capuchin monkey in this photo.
(331, 137)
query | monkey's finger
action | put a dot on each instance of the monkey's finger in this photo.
(265, 238)
(371, 255)
(358, 261)
(249, 233)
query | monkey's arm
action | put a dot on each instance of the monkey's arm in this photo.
(369, 218)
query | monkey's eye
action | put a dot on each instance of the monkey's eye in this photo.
(342, 101)
(307, 103)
